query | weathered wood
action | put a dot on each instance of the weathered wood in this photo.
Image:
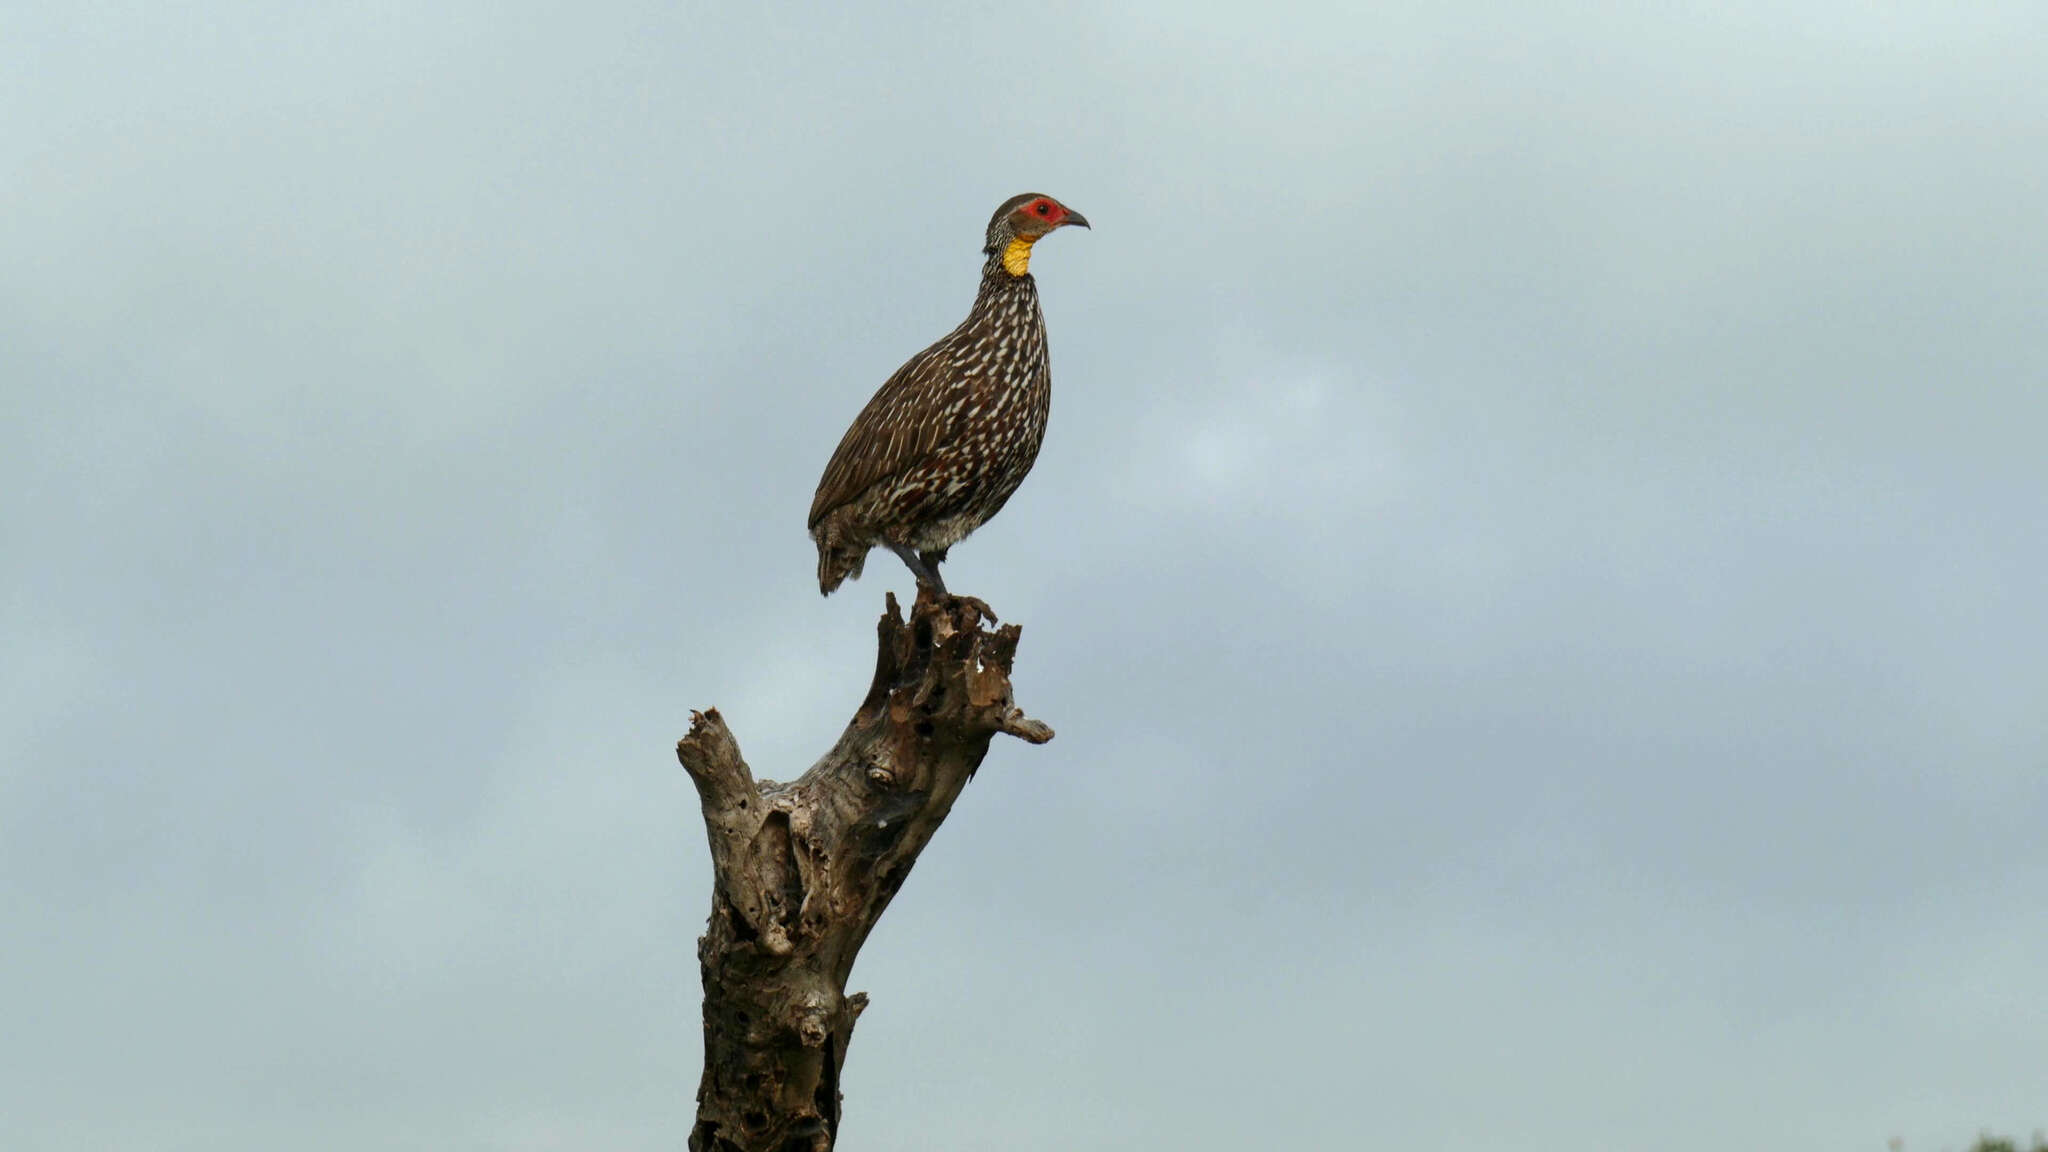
(803, 871)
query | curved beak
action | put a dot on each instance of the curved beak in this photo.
(1075, 219)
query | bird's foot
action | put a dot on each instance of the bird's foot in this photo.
(977, 604)
(936, 595)
(931, 590)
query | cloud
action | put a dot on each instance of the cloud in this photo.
(1534, 538)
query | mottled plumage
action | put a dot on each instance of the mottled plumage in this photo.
(948, 438)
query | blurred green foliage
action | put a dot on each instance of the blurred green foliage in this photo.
(1988, 1143)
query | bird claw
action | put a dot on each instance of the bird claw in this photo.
(977, 604)
(946, 601)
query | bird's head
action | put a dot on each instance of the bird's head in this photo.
(1021, 222)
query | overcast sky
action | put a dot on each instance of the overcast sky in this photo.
(1537, 567)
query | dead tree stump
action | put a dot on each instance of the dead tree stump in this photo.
(802, 871)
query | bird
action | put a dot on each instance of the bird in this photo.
(947, 439)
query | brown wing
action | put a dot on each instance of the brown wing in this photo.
(905, 421)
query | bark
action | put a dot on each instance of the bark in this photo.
(802, 871)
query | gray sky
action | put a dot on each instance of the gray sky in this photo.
(1536, 567)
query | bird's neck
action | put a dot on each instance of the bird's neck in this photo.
(1000, 287)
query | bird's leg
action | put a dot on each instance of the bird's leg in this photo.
(925, 566)
(927, 573)
(932, 557)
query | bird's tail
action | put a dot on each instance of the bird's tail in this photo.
(838, 560)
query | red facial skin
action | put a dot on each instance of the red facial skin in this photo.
(1045, 209)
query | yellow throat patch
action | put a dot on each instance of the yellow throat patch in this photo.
(1017, 256)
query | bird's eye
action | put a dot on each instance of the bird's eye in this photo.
(1044, 209)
